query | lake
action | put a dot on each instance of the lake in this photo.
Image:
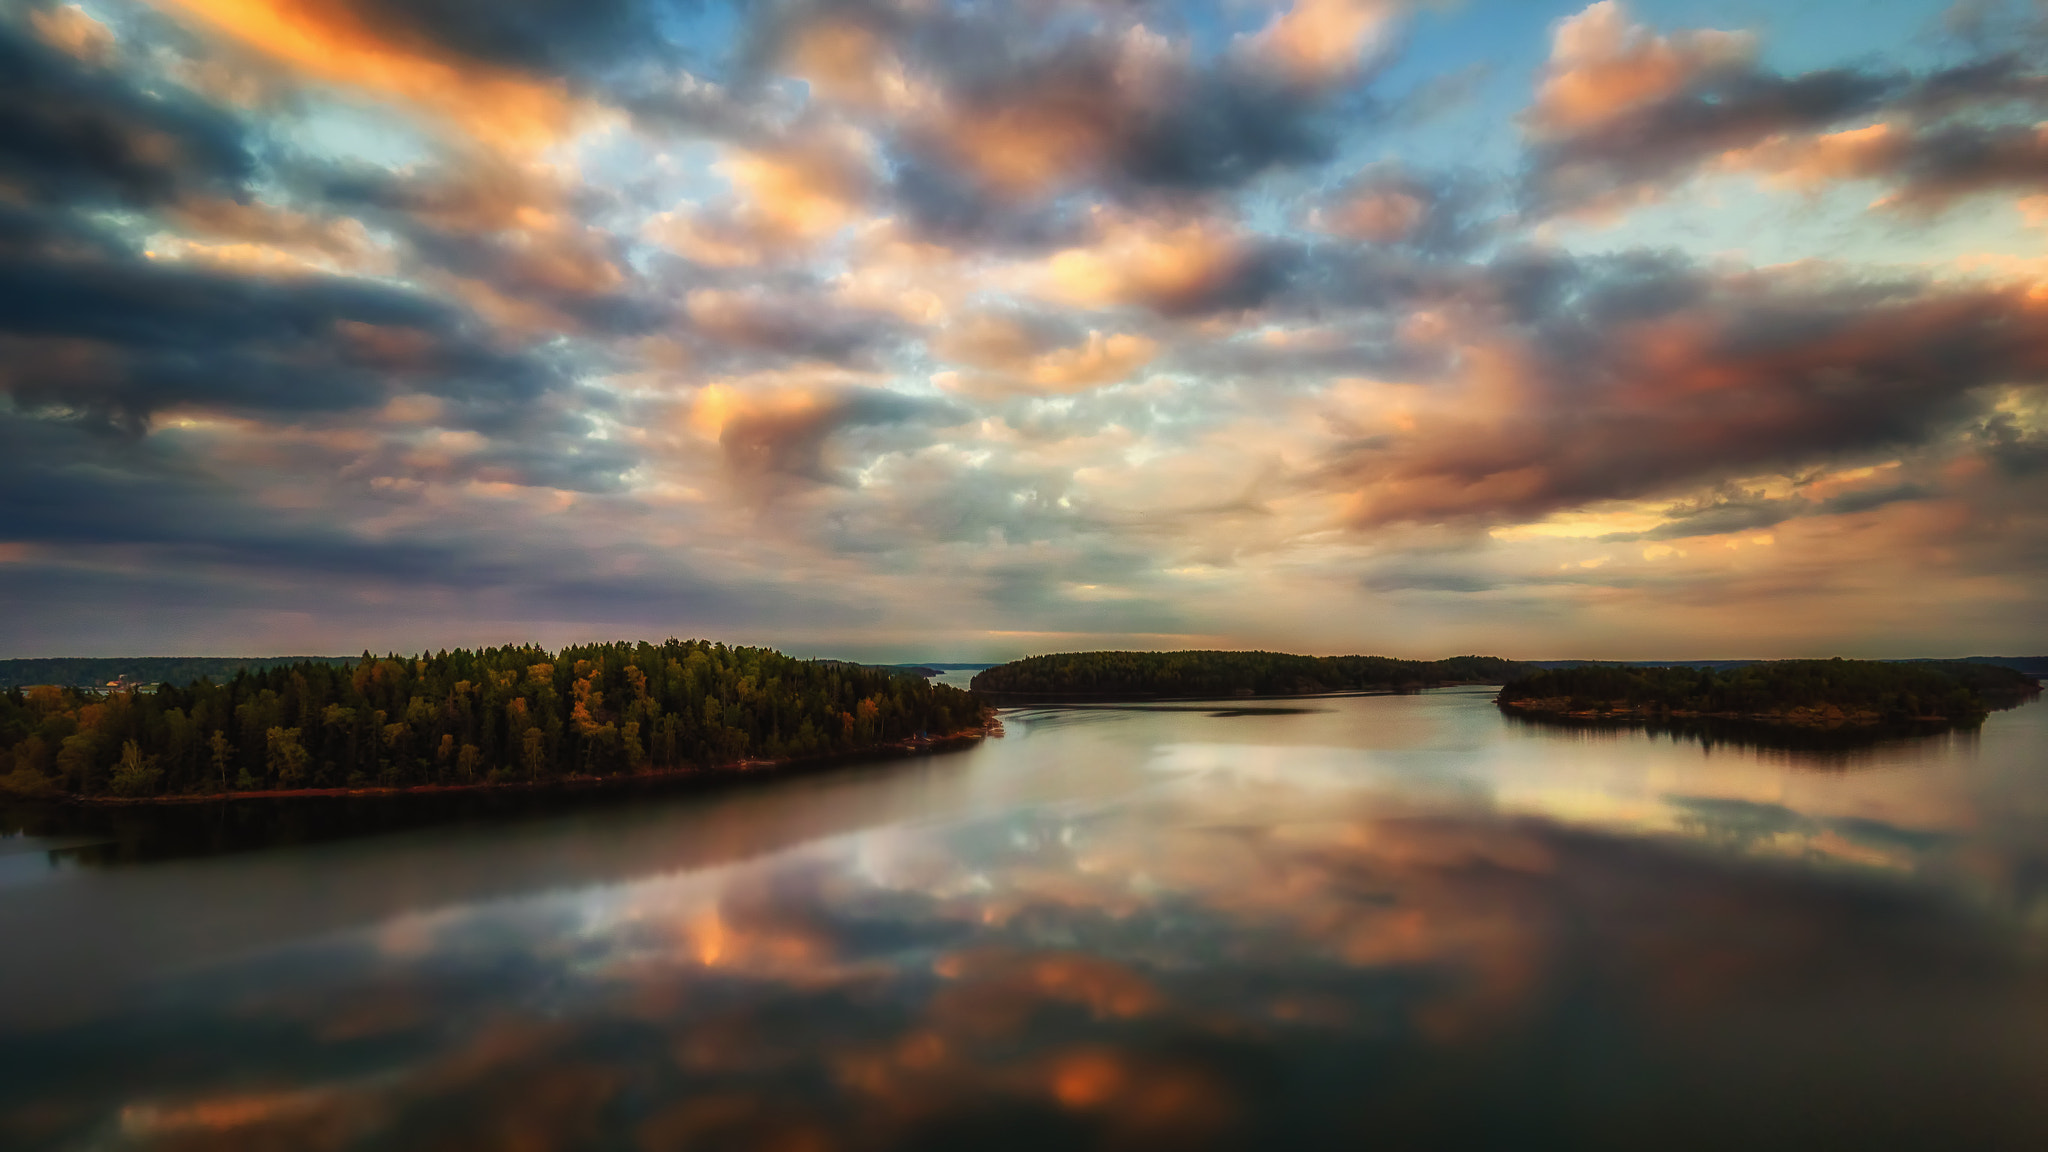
(1396, 921)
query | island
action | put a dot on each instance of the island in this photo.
(1085, 677)
(489, 718)
(1784, 693)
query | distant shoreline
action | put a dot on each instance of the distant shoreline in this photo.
(1080, 700)
(1816, 718)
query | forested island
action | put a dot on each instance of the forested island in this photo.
(1080, 677)
(1797, 693)
(496, 716)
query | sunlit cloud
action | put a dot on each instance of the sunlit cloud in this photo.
(968, 328)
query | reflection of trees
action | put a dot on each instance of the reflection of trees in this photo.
(1825, 748)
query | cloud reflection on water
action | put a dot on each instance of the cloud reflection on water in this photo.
(1396, 942)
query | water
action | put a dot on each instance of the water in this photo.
(1395, 922)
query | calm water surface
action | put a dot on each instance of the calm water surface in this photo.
(1388, 922)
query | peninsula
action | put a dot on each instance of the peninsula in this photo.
(1792, 693)
(494, 717)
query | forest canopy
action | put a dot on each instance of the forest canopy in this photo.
(463, 717)
(1868, 691)
(1165, 675)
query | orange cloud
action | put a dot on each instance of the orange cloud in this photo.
(1812, 161)
(785, 198)
(260, 235)
(1381, 215)
(847, 63)
(1603, 65)
(1318, 41)
(802, 190)
(1137, 260)
(70, 30)
(1016, 360)
(1026, 146)
(331, 41)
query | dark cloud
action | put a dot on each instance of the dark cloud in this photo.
(1729, 510)
(474, 219)
(1987, 81)
(72, 488)
(118, 336)
(558, 37)
(1630, 381)
(1251, 277)
(733, 328)
(949, 206)
(2011, 448)
(1945, 133)
(1931, 168)
(1423, 579)
(1034, 101)
(73, 133)
(1665, 140)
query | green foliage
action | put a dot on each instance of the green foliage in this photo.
(1160, 675)
(135, 774)
(26, 784)
(516, 713)
(1950, 690)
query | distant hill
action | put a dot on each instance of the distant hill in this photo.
(1823, 693)
(94, 671)
(1076, 677)
(2036, 666)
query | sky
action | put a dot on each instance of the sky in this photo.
(906, 329)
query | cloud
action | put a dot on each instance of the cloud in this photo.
(1034, 356)
(1603, 67)
(72, 132)
(787, 327)
(70, 30)
(512, 240)
(1623, 112)
(1174, 267)
(1028, 103)
(1389, 205)
(1927, 168)
(497, 72)
(787, 196)
(1320, 41)
(784, 433)
(1633, 382)
(1059, 316)
(118, 337)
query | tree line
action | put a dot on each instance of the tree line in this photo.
(462, 717)
(98, 670)
(1953, 691)
(1159, 675)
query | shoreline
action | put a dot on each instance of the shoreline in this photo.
(1829, 718)
(729, 771)
(1076, 700)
